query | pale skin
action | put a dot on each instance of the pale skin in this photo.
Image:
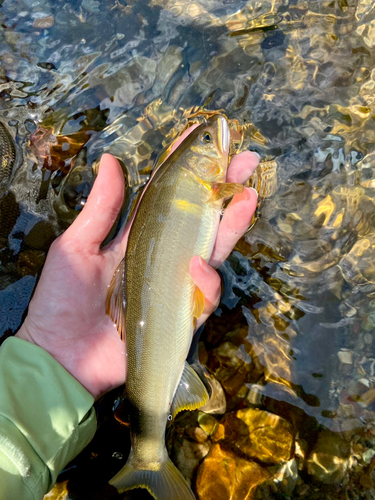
(66, 315)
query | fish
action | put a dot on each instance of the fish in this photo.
(153, 294)
(7, 158)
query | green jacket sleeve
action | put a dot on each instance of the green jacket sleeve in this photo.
(46, 419)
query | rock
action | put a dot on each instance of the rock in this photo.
(224, 476)
(44, 22)
(58, 492)
(207, 422)
(367, 398)
(345, 356)
(286, 477)
(30, 262)
(188, 454)
(197, 434)
(330, 458)
(228, 367)
(257, 434)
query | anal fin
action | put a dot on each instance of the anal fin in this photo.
(115, 300)
(223, 190)
(191, 392)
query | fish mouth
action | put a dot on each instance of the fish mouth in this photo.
(224, 135)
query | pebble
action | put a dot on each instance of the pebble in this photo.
(345, 356)
(44, 22)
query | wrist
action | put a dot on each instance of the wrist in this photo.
(26, 333)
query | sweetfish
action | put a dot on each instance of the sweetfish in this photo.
(153, 294)
(7, 158)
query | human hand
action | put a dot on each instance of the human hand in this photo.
(66, 315)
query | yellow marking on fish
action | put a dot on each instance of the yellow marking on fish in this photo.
(188, 207)
(198, 303)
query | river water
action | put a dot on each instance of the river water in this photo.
(292, 342)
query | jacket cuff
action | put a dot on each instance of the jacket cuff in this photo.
(46, 415)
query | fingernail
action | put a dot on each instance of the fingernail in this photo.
(258, 155)
(255, 191)
(100, 163)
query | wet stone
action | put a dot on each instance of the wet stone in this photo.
(330, 458)
(228, 367)
(258, 434)
(197, 434)
(30, 262)
(367, 398)
(58, 492)
(188, 454)
(44, 22)
(345, 356)
(223, 475)
(282, 481)
(207, 423)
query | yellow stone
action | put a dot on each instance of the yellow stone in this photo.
(270, 436)
(219, 433)
(368, 398)
(257, 434)
(224, 476)
(207, 422)
(58, 492)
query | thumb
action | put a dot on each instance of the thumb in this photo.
(102, 207)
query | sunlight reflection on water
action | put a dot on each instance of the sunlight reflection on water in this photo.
(79, 78)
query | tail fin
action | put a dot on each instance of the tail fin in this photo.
(167, 483)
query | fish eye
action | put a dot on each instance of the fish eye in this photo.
(206, 137)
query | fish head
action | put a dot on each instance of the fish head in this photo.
(208, 154)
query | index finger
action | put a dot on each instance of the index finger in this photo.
(242, 167)
(240, 211)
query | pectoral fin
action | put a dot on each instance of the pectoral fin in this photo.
(222, 190)
(191, 392)
(198, 303)
(115, 300)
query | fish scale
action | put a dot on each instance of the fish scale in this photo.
(7, 158)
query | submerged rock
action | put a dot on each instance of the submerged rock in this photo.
(329, 460)
(229, 367)
(223, 475)
(188, 454)
(258, 434)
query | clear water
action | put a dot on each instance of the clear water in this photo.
(297, 316)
